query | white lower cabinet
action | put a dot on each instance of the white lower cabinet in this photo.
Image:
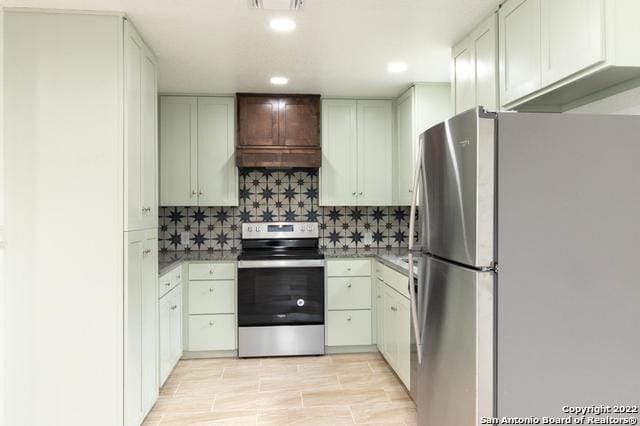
(349, 328)
(393, 320)
(212, 332)
(348, 307)
(141, 324)
(211, 320)
(170, 312)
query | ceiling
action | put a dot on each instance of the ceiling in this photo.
(339, 48)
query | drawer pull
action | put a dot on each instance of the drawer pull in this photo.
(174, 307)
(211, 322)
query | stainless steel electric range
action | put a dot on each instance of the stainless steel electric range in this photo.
(280, 290)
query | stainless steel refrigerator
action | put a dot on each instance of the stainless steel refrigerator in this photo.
(528, 259)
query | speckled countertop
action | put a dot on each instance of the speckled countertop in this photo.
(392, 258)
(170, 259)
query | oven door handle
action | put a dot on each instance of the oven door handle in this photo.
(259, 264)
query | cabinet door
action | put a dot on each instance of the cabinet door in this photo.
(258, 121)
(520, 72)
(573, 37)
(299, 121)
(149, 140)
(375, 153)
(338, 175)
(406, 135)
(463, 80)
(166, 349)
(390, 347)
(403, 336)
(135, 211)
(134, 261)
(178, 151)
(176, 326)
(380, 314)
(149, 319)
(217, 171)
(484, 43)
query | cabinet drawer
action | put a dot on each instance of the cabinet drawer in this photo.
(399, 282)
(212, 297)
(349, 268)
(349, 293)
(169, 281)
(348, 328)
(212, 332)
(212, 271)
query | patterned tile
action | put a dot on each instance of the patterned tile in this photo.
(289, 195)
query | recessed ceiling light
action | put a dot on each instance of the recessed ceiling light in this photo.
(283, 25)
(397, 67)
(279, 81)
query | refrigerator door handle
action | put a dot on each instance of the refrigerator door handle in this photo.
(412, 227)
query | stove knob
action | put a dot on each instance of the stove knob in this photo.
(309, 228)
(258, 229)
(250, 228)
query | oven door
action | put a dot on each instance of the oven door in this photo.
(280, 292)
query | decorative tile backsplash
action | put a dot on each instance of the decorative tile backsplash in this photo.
(291, 195)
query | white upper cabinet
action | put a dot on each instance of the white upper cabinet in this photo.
(217, 171)
(520, 62)
(463, 81)
(357, 152)
(338, 175)
(178, 151)
(419, 108)
(375, 153)
(572, 33)
(474, 66)
(558, 54)
(140, 133)
(197, 151)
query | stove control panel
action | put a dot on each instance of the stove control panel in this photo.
(279, 230)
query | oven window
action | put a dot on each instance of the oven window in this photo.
(280, 296)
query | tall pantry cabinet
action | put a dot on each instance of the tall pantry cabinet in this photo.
(81, 220)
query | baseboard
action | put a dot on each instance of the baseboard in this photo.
(209, 354)
(350, 349)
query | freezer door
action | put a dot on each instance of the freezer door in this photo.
(457, 190)
(455, 378)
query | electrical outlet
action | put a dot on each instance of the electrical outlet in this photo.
(184, 238)
(368, 238)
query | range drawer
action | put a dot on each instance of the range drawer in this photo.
(212, 332)
(212, 297)
(349, 293)
(169, 281)
(349, 268)
(212, 271)
(348, 328)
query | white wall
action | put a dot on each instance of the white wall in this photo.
(63, 191)
(627, 102)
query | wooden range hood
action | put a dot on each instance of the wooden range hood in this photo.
(278, 130)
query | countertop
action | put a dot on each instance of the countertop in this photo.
(392, 258)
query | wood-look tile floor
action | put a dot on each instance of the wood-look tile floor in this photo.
(330, 390)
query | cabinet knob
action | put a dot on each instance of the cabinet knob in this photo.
(353, 193)
(199, 192)
(147, 251)
(379, 297)
(361, 193)
(167, 284)
(210, 271)
(349, 319)
(173, 308)
(211, 323)
(349, 285)
(348, 269)
(411, 190)
(211, 289)
(178, 276)
(394, 309)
